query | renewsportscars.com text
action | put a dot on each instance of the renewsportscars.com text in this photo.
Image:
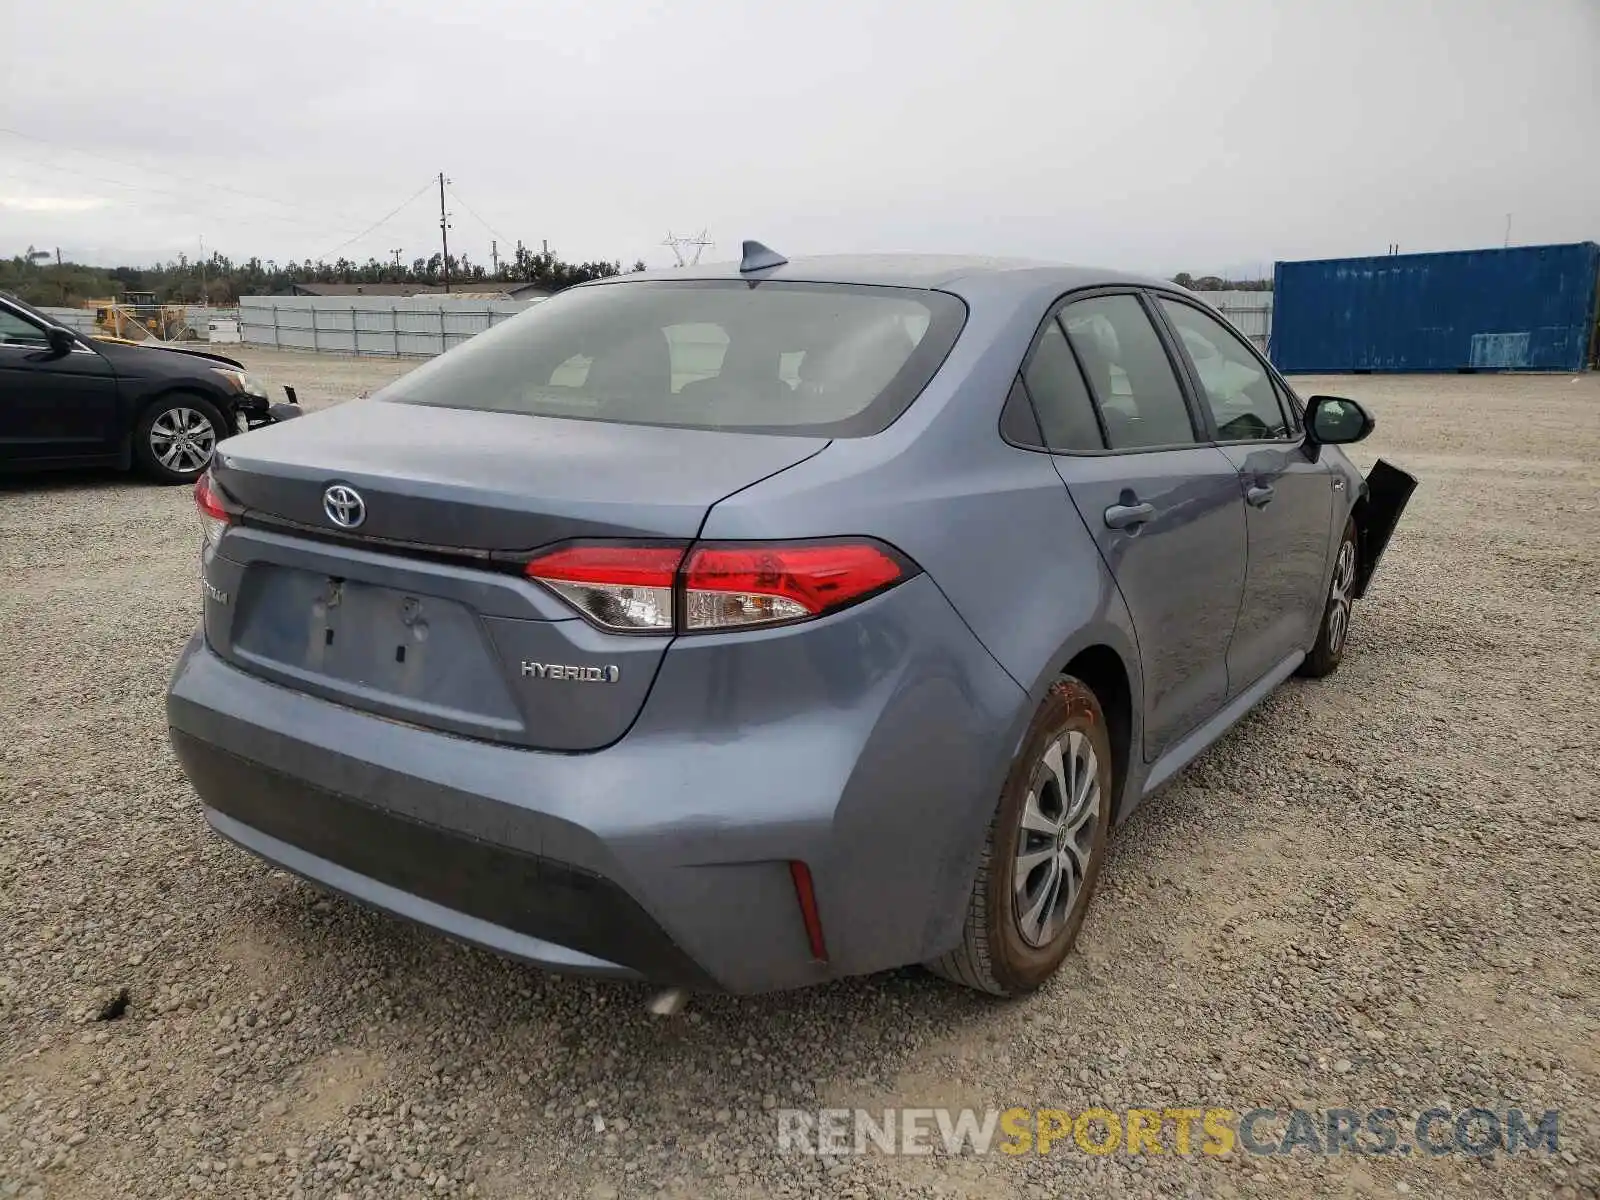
(836, 1132)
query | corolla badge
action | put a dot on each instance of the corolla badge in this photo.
(344, 506)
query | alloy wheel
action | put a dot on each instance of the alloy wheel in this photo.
(182, 440)
(1056, 839)
(1344, 577)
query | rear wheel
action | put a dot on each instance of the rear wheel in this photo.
(1328, 650)
(1043, 852)
(176, 437)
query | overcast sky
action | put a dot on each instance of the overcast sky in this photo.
(1149, 134)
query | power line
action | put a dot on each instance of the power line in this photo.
(381, 220)
(198, 181)
(457, 197)
(300, 223)
(160, 191)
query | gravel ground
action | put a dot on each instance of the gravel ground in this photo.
(1379, 890)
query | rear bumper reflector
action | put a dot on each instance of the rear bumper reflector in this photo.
(807, 897)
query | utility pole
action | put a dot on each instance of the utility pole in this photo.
(396, 253)
(205, 298)
(494, 254)
(444, 233)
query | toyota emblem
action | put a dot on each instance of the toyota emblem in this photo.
(344, 506)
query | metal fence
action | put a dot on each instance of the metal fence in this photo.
(1249, 312)
(383, 326)
(79, 320)
(423, 326)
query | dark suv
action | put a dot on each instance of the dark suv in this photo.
(70, 401)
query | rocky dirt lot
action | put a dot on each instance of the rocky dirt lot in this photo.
(1380, 891)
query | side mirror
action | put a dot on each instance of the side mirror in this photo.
(61, 340)
(1335, 421)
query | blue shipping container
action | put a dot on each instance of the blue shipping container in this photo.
(1527, 308)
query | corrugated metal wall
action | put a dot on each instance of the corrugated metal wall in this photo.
(1528, 308)
(387, 326)
(79, 320)
(1249, 312)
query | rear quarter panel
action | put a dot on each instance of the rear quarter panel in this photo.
(992, 524)
(993, 527)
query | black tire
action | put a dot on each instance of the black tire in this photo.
(153, 437)
(996, 955)
(1333, 634)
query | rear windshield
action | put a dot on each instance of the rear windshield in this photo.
(830, 360)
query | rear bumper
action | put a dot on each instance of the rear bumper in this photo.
(518, 903)
(869, 746)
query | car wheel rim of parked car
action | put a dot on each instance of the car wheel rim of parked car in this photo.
(182, 439)
(1344, 574)
(1056, 838)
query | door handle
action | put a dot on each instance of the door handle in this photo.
(1121, 516)
(1259, 495)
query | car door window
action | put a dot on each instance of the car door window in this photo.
(1236, 387)
(1291, 407)
(1129, 373)
(14, 331)
(1060, 397)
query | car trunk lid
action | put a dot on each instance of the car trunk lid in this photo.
(493, 481)
(419, 612)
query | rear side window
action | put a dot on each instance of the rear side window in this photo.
(1066, 414)
(1017, 422)
(829, 360)
(1129, 373)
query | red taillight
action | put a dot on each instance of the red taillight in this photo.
(206, 499)
(642, 588)
(732, 586)
(214, 514)
(619, 587)
(806, 895)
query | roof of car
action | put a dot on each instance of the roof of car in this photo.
(907, 270)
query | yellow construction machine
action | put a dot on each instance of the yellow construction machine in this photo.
(136, 317)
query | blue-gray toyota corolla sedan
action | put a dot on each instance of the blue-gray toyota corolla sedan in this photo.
(744, 627)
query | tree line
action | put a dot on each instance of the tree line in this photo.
(220, 280)
(1213, 283)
